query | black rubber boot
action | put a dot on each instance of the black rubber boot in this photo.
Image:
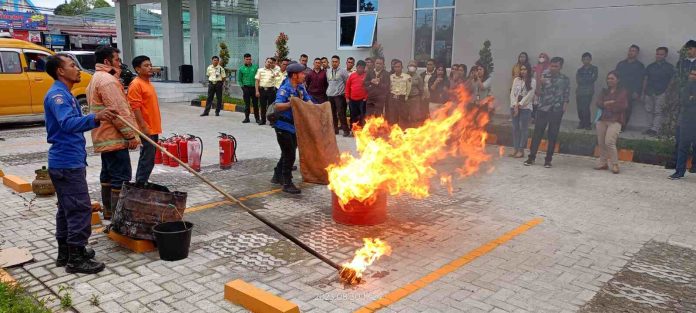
(63, 254)
(290, 188)
(115, 193)
(106, 200)
(79, 262)
(275, 179)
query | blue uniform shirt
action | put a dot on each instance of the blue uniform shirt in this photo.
(65, 125)
(285, 92)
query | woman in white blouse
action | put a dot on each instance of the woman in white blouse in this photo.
(521, 96)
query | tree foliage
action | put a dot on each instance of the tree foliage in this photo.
(282, 50)
(224, 55)
(101, 4)
(77, 7)
(486, 57)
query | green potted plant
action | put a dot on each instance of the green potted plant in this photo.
(199, 102)
(577, 143)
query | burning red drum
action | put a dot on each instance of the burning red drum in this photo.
(359, 213)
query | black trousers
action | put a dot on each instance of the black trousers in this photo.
(116, 168)
(146, 162)
(214, 89)
(249, 95)
(584, 115)
(675, 155)
(74, 216)
(288, 149)
(338, 112)
(357, 112)
(544, 119)
(268, 95)
(627, 115)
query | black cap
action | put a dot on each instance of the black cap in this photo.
(690, 44)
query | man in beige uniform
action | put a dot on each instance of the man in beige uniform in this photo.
(399, 91)
(266, 87)
(216, 79)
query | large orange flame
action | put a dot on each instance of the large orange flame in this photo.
(401, 161)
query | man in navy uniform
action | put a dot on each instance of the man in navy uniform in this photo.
(285, 127)
(67, 162)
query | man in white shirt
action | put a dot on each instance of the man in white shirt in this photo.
(336, 92)
(216, 79)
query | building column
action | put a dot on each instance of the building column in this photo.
(201, 37)
(173, 30)
(124, 29)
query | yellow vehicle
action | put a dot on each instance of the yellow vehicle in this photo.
(24, 81)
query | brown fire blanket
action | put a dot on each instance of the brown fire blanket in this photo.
(315, 139)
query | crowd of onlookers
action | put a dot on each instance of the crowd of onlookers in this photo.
(539, 95)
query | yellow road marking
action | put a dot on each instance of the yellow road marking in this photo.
(416, 285)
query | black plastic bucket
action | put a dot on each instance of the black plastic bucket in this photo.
(173, 240)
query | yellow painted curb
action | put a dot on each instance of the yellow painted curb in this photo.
(135, 245)
(5, 277)
(16, 183)
(257, 300)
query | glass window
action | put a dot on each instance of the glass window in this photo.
(10, 63)
(357, 21)
(368, 5)
(433, 29)
(348, 6)
(365, 31)
(347, 31)
(444, 26)
(424, 4)
(36, 61)
(423, 36)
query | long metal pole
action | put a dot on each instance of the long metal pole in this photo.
(233, 199)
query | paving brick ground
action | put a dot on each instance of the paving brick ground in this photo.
(599, 230)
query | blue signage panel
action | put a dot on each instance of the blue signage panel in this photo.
(55, 40)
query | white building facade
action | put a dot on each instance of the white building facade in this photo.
(453, 31)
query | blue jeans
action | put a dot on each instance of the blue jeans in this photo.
(116, 168)
(146, 162)
(74, 216)
(686, 139)
(520, 128)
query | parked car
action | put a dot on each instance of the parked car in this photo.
(24, 81)
(87, 63)
(85, 59)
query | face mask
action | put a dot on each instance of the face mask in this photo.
(412, 68)
(542, 60)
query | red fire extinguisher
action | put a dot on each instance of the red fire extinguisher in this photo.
(183, 149)
(165, 158)
(195, 152)
(228, 150)
(173, 149)
(158, 153)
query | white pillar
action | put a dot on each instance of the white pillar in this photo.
(124, 29)
(201, 37)
(173, 30)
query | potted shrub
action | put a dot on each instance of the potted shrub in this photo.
(577, 143)
(200, 102)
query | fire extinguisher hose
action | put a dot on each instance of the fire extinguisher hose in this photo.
(235, 200)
